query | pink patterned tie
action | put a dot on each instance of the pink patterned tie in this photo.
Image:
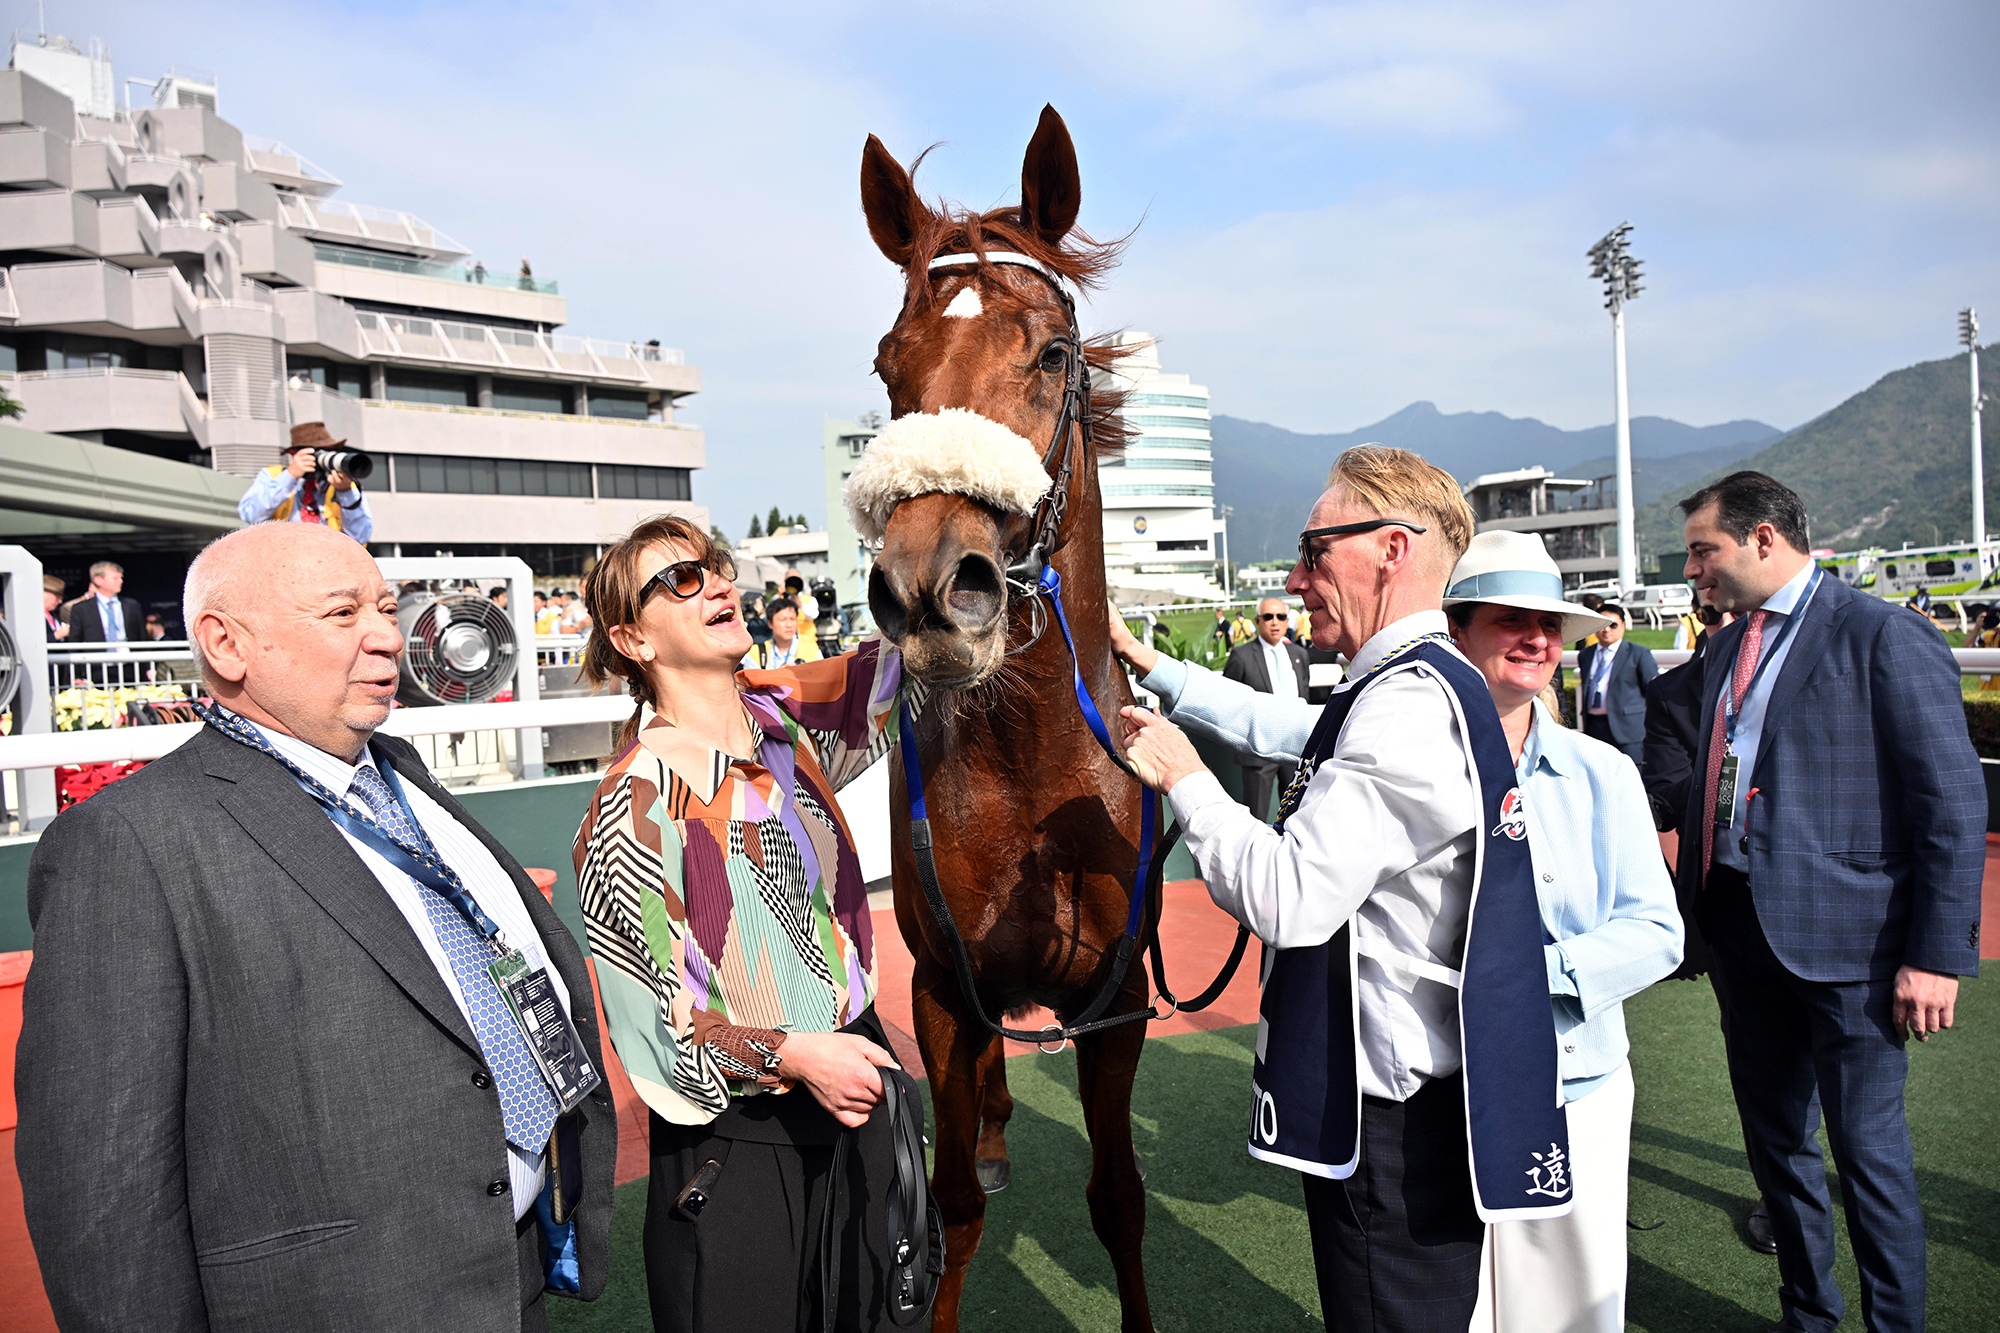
(1746, 667)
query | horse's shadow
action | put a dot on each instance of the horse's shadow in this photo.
(1040, 1265)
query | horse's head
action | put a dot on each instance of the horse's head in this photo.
(978, 367)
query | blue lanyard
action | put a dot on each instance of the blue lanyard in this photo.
(428, 871)
(1731, 719)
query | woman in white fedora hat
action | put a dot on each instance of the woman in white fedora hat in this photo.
(1607, 906)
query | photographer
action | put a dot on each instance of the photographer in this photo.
(297, 490)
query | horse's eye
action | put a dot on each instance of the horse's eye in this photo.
(1053, 358)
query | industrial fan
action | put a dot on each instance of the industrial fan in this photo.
(10, 667)
(459, 648)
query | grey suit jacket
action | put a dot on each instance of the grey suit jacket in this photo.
(247, 1100)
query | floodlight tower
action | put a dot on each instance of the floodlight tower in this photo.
(1968, 337)
(1612, 264)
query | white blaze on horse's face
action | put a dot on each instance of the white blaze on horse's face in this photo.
(966, 305)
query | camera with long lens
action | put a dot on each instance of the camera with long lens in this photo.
(353, 462)
(827, 628)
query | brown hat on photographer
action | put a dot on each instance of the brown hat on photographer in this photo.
(311, 435)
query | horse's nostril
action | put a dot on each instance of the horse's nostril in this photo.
(891, 617)
(977, 594)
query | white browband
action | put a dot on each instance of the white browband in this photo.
(1002, 257)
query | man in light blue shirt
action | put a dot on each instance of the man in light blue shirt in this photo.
(1783, 607)
(106, 615)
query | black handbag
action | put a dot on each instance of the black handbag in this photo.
(911, 1248)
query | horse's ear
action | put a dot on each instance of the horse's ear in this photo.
(889, 201)
(1051, 194)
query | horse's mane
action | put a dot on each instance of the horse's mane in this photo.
(944, 229)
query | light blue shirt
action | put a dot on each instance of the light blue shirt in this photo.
(112, 616)
(1600, 672)
(1611, 913)
(1783, 604)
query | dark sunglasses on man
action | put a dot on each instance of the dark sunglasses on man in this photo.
(1272, 615)
(684, 578)
(1309, 557)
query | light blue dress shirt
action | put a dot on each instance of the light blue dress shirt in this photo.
(1612, 913)
(112, 616)
(1784, 605)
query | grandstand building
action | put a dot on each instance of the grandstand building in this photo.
(172, 287)
(1160, 529)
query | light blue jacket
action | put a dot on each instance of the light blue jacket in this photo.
(1612, 915)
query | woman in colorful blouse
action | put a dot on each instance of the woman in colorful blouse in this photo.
(730, 926)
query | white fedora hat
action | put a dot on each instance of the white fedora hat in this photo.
(1515, 569)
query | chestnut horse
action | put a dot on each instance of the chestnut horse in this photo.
(1036, 830)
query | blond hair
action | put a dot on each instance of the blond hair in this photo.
(1396, 481)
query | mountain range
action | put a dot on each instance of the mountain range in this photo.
(1266, 474)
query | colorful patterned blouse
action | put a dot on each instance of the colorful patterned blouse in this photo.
(722, 894)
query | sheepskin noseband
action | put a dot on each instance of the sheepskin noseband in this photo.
(955, 451)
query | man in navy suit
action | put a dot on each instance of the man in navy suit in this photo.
(1614, 673)
(1834, 841)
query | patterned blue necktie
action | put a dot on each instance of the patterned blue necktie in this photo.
(527, 1106)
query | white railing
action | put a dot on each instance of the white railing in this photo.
(8, 309)
(86, 372)
(282, 161)
(509, 348)
(337, 218)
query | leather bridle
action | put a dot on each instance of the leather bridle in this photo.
(1024, 572)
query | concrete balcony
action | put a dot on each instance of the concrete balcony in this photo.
(491, 299)
(229, 191)
(316, 324)
(33, 159)
(272, 254)
(78, 402)
(474, 432)
(402, 516)
(92, 296)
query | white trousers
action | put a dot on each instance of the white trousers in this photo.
(1567, 1274)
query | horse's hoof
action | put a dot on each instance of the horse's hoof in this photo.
(993, 1173)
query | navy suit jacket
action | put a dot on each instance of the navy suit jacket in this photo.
(1624, 690)
(1867, 822)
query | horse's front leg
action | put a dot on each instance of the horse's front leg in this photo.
(1105, 1064)
(955, 1049)
(997, 1108)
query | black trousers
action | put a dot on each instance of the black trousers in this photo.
(1397, 1243)
(1262, 784)
(1798, 1050)
(1598, 727)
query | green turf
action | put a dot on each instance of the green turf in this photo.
(1226, 1237)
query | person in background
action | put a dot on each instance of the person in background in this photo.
(720, 817)
(1607, 909)
(105, 614)
(1920, 602)
(786, 645)
(1270, 665)
(1221, 630)
(1687, 629)
(575, 619)
(53, 625)
(156, 628)
(290, 492)
(266, 1078)
(1243, 630)
(1834, 844)
(548, 616)
(499, 595)
(1614, 672)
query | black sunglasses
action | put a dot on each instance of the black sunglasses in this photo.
(1274, 615)
(685, 578)
(1308, 556)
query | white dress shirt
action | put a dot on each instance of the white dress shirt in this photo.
(1278, 662)
(1597, 696)
(490, 886)
(1783, 605)
(1384, 836)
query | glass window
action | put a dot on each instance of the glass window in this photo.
(1164, 400)
(530, 396)
(612, 403)
(622, 481)
(444, 475)
(414, 386)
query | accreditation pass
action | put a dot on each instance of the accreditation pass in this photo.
(551, 1036)
(1725, 793)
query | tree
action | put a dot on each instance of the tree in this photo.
(9, 407)
(799, 523)
(774, 522)
(718, 536)
(757, 528)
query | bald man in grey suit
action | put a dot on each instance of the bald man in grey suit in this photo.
(260, 1085)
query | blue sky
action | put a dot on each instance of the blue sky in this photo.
(1346, 207)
